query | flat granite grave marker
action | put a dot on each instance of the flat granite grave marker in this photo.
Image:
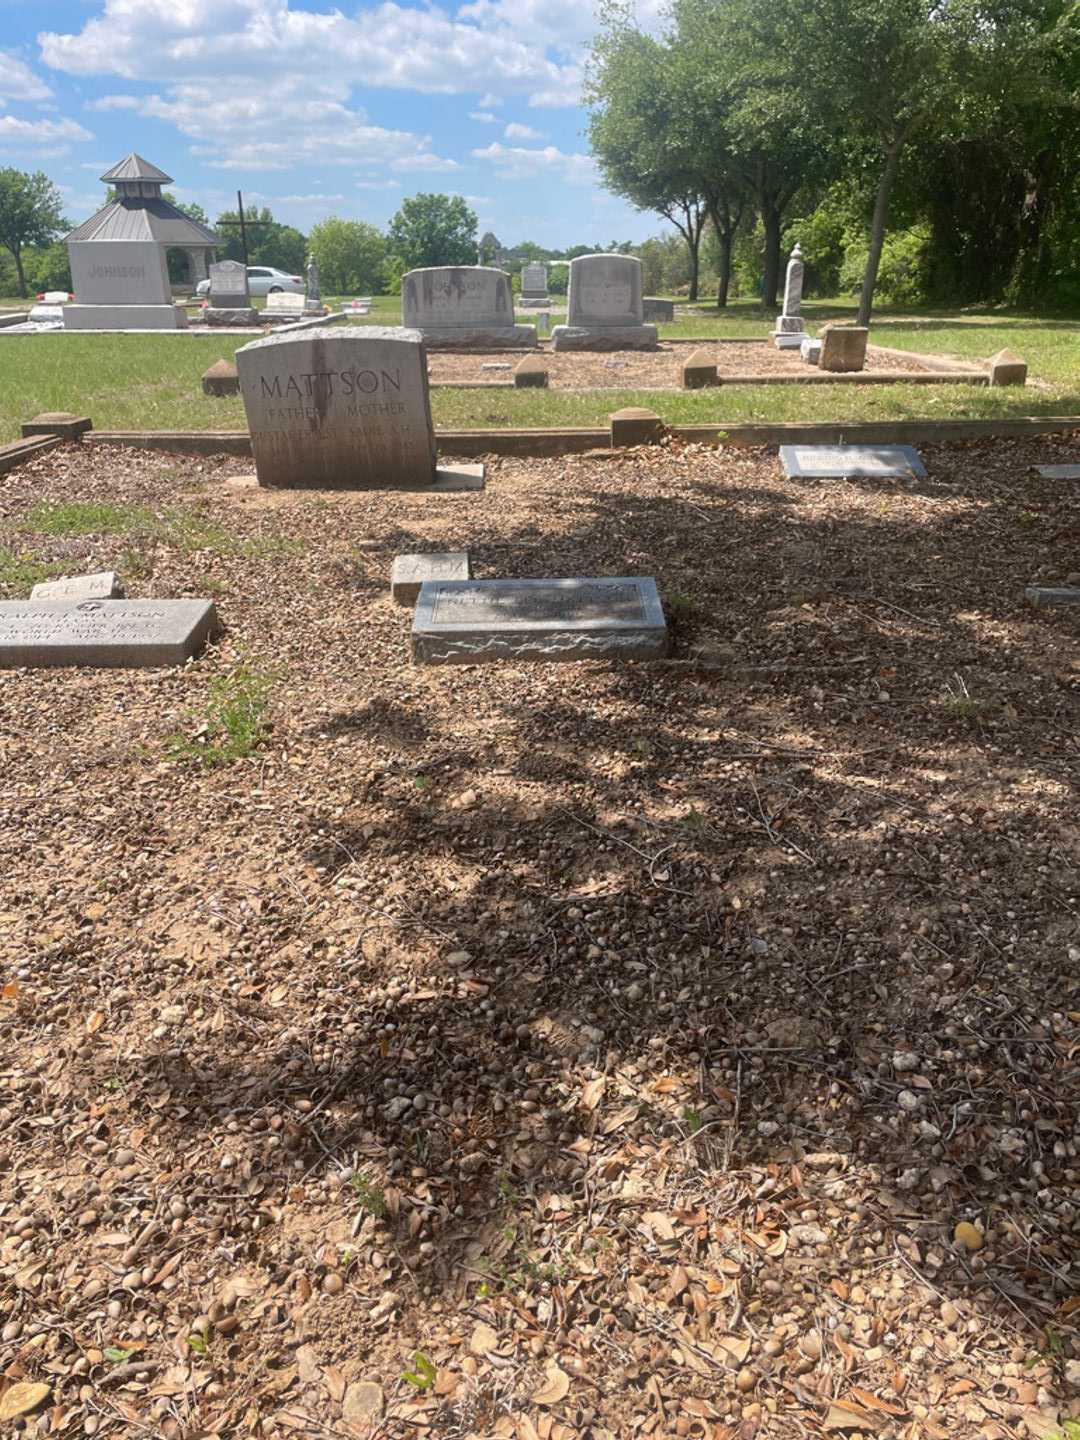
(411, 571)
(1053, 594)
(105, 585)
(103, 633)
(1048, 472)
(840, 462)
(604, 308)
(471, 622)
(469, 305)
(344, 409)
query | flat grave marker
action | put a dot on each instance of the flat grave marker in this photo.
(842, 462)
(103, 633)
(411, 571)
(105, 585)
(471, 622)
(1059, 472)
(1053, 594)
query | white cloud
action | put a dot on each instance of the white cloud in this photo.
(391, 45)
(315, 200)
(47, 138)
(378, 184)
(517, 162)
(18, 81)
(484, 116)
(514, 131)
(489, 101)
(426, 161)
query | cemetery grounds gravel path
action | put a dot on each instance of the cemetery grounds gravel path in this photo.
(614, 1051)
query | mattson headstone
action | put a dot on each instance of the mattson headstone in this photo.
(344, 409)
(470, 622)
(604, 309)
(463, 305)
(790, 326)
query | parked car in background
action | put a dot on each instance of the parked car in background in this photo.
(263, 280)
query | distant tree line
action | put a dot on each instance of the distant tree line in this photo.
(916, 148)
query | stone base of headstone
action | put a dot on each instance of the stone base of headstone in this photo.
(531, 372)
(810, 350)
(698, 371)
(472, 622)
(284, 301)
(213, 315)
(843, 348)
(626, 337)
(1053, 594)
(1007, 369)
(105, 585)
(654, 309)
(41, 312)
(221, 379)
(411, 571)
(789, 332)
(635, 426)
(453, 337)
(58, 422)
(787, 342)
(124, 317)
(533, 302)
(103, 633)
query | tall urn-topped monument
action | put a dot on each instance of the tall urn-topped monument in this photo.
(119, 269)
(344, 410)
(790, 326)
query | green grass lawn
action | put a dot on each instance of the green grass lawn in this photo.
(151, 382)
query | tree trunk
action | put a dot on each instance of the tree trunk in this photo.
(770, 219)
(694, 266)
(726, 237)
(17, 254)
(877, 231)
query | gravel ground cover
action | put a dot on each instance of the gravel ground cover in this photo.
(657, 369)
(575, 1052)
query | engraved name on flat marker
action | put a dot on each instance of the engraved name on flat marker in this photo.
(838, 462)
(108, 633)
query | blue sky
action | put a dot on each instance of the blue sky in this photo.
(317, 109)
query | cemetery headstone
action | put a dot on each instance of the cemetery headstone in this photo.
(103, 633)
(1041, 595)
(463, 305)
(58, 422)
(221, 379)
(470, 622)
(534, 286)
(230, 300)
(635, 426)
(284, 302)
(604, 310)
(840, 462)
(120, 285)
(1007, 369)
(343, 409)
(699, 371)
(655, 309)
(411, 571)
(810, 350)
(313, 298)
(105, 585)
(531, 372)
(1048, 472)
(843, 348)
(789, 324)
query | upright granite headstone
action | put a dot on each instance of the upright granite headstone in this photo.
(120, 285)
(790, 326)
(230, 301)
(468, 622)
(104, 633)
(343, 409)
(604, 310)
(469, 305)
(534, 286)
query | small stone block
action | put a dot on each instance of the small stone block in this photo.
(58, 422)
(221, 379)
(790, 325)
(1007, 369)
(634, 426)
(1059, 472)
(654, 309)
(531, 373)
(840, 462)
(105, 585)
(628, 337)
(843, 348)
(699, 371)
(1053, 594)
(410, 572)
(449, 478)
(103, 633)
(471, 622)
(218, 315)
(810, 350)
(787, 341)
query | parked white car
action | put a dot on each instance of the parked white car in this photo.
(263, 280)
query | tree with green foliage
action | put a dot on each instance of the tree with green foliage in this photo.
(433, 230)
(269, 241)
(350, 255)
(31, 213)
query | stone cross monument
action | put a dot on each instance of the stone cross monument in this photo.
(789, 325)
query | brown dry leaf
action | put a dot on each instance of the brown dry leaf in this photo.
(678, 1282)
(303, 1289)
(94, 1021)
(483, 1339)
(593, 1093)
(839, 1289)
(619, 1119)
(307, 1363)
(848, 1417)
(555, 1389)
(334, 1381)
(20, 1399)
(659, 1224)
(899, 1382)
(10, 990)
(736, 1346)
(526, 1429)
(968, 1235)
(874, 1402)
(667, 1085)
